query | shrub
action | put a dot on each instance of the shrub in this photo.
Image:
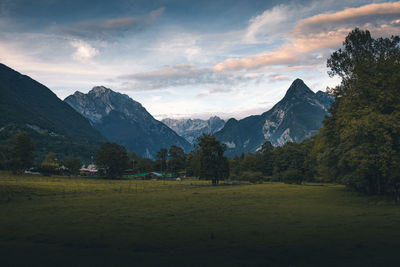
(251, 176)
(292, 177)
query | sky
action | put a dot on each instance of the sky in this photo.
(184, 58)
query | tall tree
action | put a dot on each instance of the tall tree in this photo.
(193, 163)
(213, 164)
(113, 158)
(177, 159)
(264, 158)
(73, 164)
(20, 152)
(359, 143)
(289, 159)
(161, 162)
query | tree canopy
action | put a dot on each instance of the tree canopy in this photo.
(177, 159)
(113, 159)
(359, 143)
(20, 152)
(213, 164)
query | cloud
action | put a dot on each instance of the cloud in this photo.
(372, 14)
(271, 21)
(183, 75)
(278, 78)
(321, 32)
(111, 28)
(84, 51)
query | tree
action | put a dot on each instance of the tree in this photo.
(161, 161)
(144, 165)
(193, 163)
(177, 159)
(113, 159)
(49, 164)
(289, 159)
(264, 158)
(359, 143)
(73, 164)
(249, 163)
(213, 164)
(3, 157)
(20, 152)
(134, 161)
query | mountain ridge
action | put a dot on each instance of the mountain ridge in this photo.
(191, 129)
(27, 105)
(125, 121)
(298, 115)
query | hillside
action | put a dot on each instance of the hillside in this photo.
(125, 121)
(297, 116)
(26, 105)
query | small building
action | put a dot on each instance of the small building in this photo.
(89, 171)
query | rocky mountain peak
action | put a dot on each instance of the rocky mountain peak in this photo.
(191, 129)
(298, 89)
(99, 90)
(296, 117)
(125, 121)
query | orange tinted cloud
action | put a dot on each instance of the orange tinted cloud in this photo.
(320, 32)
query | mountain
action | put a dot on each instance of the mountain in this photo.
(26, 105)
(190, 129)
(297, 116)
(125, 121)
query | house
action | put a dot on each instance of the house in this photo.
(90, 171)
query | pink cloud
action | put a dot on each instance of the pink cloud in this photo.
(322, 32)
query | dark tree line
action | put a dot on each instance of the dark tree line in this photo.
(18, 156)
(359, 143)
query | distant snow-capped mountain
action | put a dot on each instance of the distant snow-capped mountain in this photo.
(190, 129)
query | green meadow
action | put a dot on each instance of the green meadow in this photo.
(61, 221)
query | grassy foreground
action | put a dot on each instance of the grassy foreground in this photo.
(55, 221)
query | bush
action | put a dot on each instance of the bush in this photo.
(251, 176)
(49, 168)
(292, 177)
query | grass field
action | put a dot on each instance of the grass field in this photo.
(56, 221)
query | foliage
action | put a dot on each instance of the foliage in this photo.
(213, 164)
(50, 164)
(359, 143)
(20, 152)
(249, 163)
(161, 161)
(292, 176)
(177, 159)
(251, 176)
(290, 156)
(73, 164)
(264, 158)
(193, 164)
(144, 165)
(113, 158)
